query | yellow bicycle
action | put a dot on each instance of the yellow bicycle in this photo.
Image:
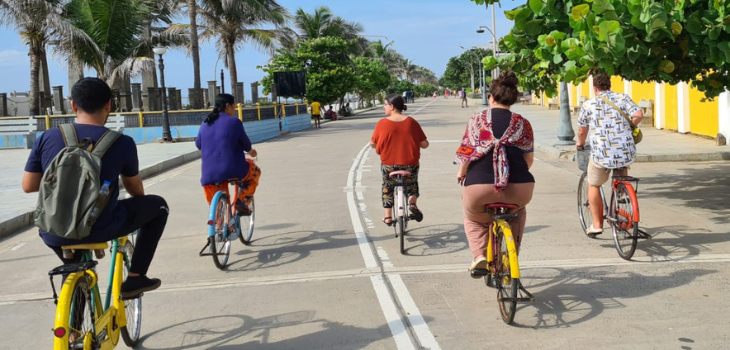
(503, 269)
(81, 321)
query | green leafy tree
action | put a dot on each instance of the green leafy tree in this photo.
(322, 22)
(463, 70)
(665, 41)
(372, 77)
(330, 72)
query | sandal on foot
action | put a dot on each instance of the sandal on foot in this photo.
(415, 213)
(388, 220)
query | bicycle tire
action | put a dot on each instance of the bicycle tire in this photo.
(402, 217)
(505, 290)
(82, 316)
(247, 223)
(220, 246)
(132, 307)
(625, 230)
(584, 208)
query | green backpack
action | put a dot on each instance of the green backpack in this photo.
(71, 196)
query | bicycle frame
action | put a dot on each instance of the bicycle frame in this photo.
(112, 316)
(511, 246)
(231, 210)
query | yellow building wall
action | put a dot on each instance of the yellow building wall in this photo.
(671, 120)
(644, 91)
(704, 117)
(617, 84)
(573, 94)
(586, 89)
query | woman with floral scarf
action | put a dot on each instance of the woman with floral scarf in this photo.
(495, 157)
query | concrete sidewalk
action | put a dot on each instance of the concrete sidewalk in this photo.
(16, 206)
(657, 145)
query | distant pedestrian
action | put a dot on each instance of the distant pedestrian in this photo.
(464, 101)
(317, 114)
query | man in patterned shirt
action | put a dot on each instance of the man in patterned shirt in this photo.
(611, 140)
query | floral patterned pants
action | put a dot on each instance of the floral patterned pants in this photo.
(389, 184)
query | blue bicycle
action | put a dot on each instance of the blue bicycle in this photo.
(225, 225)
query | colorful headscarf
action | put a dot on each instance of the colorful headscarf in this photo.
(479, 140)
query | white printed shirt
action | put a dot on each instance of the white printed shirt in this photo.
(611, 141)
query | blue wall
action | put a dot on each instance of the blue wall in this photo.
(257, 131)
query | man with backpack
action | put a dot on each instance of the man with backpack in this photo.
(76, 169)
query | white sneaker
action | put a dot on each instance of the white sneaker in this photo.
(594, 231)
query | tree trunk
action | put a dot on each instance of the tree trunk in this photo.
(35, 70)
(232, 68)
(197, 102)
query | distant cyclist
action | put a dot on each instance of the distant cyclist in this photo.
(612, 144)
(223, 143)
(91, 100)
(398, 139)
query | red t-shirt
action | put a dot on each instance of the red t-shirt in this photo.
(398, 143)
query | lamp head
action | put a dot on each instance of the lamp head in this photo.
(480, 31)
(159, 50)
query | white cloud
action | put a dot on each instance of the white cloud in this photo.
(13, 58)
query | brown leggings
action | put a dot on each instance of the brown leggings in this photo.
(476, 220)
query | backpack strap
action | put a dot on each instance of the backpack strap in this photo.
(105, 142)
(69, 135)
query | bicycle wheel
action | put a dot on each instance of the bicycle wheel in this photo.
(505, 284)
(625, 229)
(584, 208)
(246, 225)
(132, 307)
(83, 308)
(220, 246)
(402, 207)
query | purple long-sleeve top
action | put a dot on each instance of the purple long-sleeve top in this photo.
(222, 147)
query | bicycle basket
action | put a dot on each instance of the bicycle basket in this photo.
(583, 156)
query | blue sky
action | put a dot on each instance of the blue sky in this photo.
(428, 32)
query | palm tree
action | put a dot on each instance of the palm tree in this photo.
(408, 69)
(40, 22)
(386, 54)
(322, 22)
(236, 23)
(197, 102)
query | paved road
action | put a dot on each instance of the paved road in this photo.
(324, 273)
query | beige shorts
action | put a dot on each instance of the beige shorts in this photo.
(598, 175)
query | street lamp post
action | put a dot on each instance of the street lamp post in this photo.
(494, 45)
(166, 134)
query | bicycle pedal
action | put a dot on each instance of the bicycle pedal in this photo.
(479, 273)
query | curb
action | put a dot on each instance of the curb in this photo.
(9, 227)
(568, 153)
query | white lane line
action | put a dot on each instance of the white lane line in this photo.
(425, 337)
(396, 325)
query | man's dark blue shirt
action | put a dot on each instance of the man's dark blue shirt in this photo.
(121, 158)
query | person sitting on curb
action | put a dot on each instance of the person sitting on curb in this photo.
(330, 114)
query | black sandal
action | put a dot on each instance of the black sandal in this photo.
(389, 222)
(415, 213)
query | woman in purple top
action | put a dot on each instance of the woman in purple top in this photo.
(223, 143)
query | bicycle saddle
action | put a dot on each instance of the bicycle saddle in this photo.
(400, 173)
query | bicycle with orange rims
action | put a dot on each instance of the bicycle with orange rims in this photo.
(621, 211)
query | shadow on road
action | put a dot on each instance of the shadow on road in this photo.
(220, 332)
(704, 187)
(567, 297)
(435, 240)
(290, 247)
